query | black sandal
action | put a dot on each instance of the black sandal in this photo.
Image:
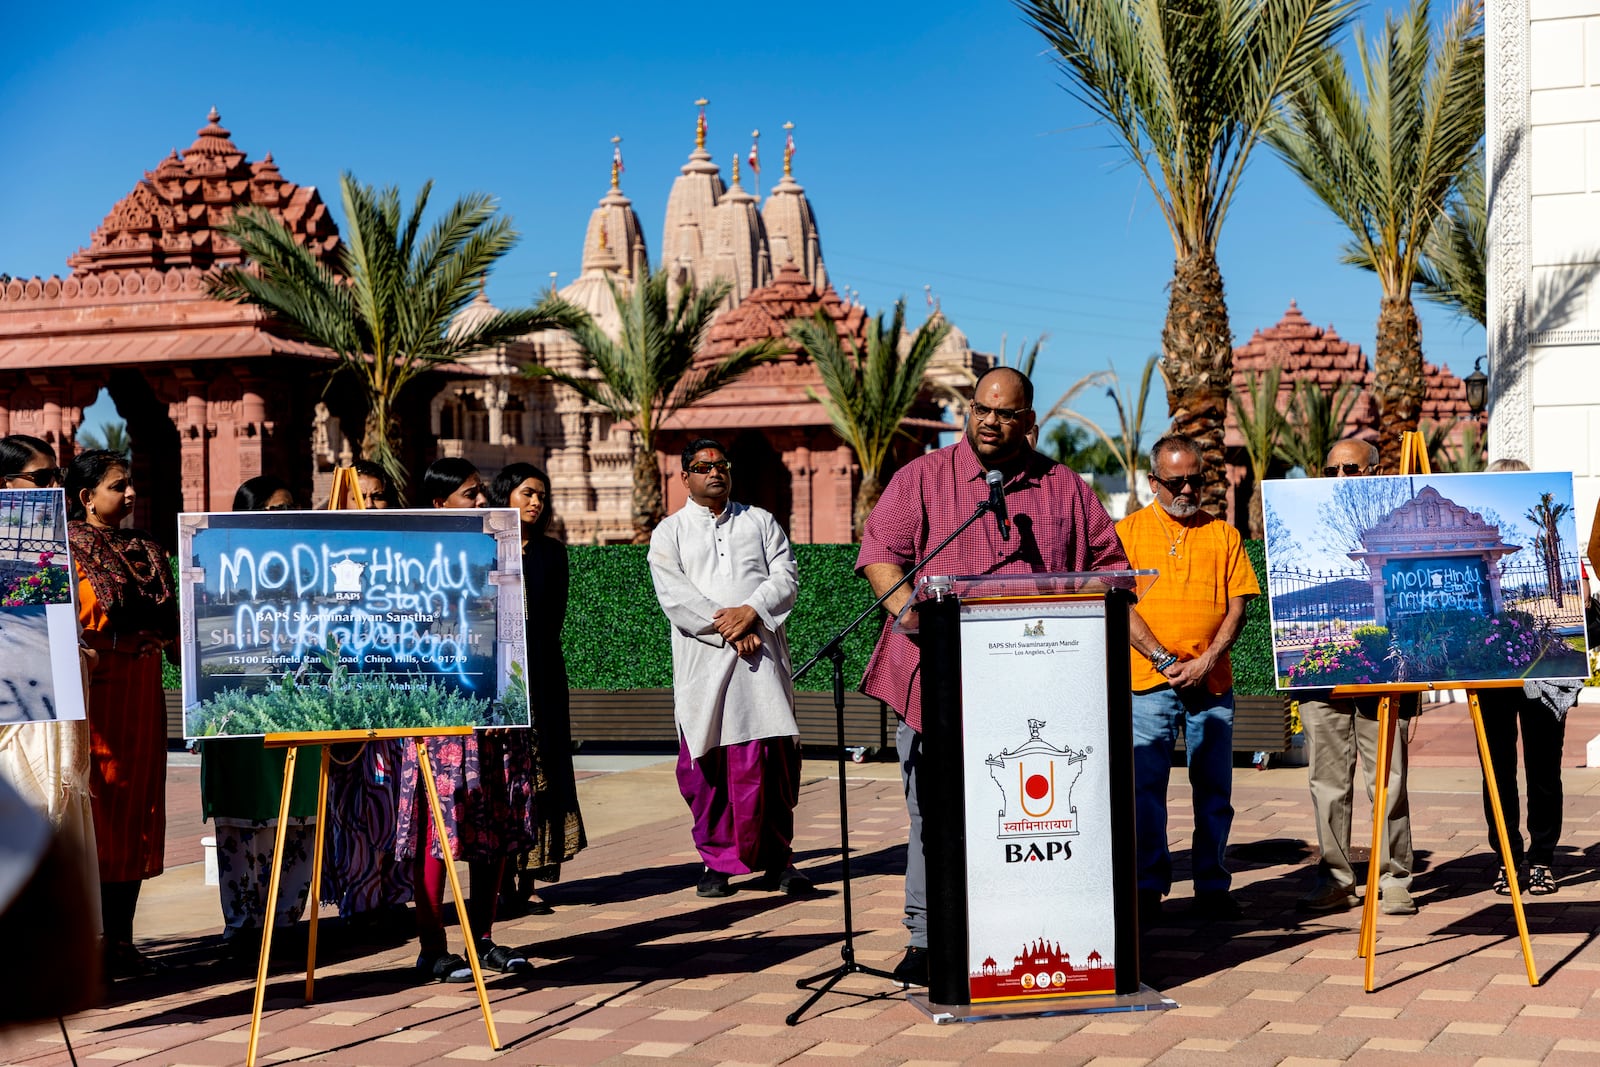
(445, 967)
(502, 959)
(1540, 881)
(1502, 885)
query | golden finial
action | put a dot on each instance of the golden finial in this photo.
(605, 240)
(700, 124)
(616, 162)
(736, 168)
(788, 149)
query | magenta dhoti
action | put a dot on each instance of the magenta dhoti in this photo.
(742, 798)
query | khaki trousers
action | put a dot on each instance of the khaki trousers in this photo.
(1335, 732)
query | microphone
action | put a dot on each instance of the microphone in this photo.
(997, 503)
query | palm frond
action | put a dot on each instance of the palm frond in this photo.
(870, 390)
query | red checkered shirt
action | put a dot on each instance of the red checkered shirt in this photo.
(1058, 525)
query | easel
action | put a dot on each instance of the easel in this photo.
(1414, 460)
(347, 495)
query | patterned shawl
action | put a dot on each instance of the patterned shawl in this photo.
(130, 577)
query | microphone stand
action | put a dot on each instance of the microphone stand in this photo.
(834, 652)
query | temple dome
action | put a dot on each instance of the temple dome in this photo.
(767, 312)
(170, 218)
(688, 233)
(792, 229)
(741, 256)
(474, 314)
(614, 240)
(1304, 352)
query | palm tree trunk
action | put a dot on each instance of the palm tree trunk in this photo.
(647, 503)
(1397, 382)
(380, 443)
(1258, 518)
(867, 494)
(1198, 350)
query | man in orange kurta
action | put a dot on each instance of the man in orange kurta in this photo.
(1181, 633)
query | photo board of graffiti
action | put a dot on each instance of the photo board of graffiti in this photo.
(1444, 578)
(40, 679)
(335, 621)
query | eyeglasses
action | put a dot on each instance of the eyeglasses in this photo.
(278, 507)
(1006, 416)
(1349, 470)
(377, 494)
(723, 465)
(1172, 485)
(42, 478)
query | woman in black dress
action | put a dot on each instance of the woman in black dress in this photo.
(559, 831)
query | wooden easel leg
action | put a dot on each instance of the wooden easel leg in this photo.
(317, 832)
(1505, 841)
(1380, 804)
(425, 772)
(268, 920)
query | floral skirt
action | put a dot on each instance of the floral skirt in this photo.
(485, 783)
(244, 871)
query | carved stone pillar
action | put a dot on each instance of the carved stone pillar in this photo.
(495, 395)
(194, 447)
(800, 523)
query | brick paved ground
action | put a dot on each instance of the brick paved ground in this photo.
(633, 968)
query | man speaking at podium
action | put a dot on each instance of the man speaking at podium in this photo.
(1052, 522)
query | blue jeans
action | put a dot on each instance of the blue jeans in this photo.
(1208, 733)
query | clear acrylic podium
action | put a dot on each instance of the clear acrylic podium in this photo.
(1026, 791)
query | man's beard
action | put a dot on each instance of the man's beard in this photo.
(1179, 511)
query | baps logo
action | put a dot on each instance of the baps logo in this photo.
(1033, 629)
(1016, 852)
(347, 576)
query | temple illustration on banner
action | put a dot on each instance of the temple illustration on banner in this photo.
(1041, 968)
(1037, 778)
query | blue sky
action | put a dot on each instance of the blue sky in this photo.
(934, 141)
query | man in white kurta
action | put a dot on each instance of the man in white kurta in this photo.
(725, 576)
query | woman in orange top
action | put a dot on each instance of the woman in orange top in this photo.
(129, 612)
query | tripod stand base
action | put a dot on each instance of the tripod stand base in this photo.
(829, 979)
(1146, 999)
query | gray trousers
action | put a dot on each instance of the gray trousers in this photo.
(1335, 732)
(908, 745)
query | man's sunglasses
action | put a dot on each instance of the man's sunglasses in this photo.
(41, 478)
(1349, 470)
(1173, 485)
(1006, 416)
(723, 465)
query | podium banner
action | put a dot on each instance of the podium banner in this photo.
(1037, 777)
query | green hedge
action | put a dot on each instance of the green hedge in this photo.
(617, 638)
(1253, 673)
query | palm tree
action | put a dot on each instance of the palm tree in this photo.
(112, 436)
(1384, 160)
(1315, 423)
(1127, 445)
(649, 371)
(1189, 87)
(869, 392)
(386, 312)
(1261, 425)
(1546, 517)
(1453, 270)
